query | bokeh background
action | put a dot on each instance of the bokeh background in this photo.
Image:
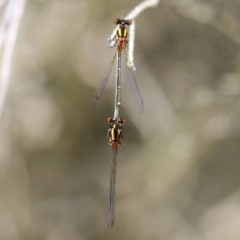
(178, 172)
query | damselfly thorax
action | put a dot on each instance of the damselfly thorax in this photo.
(115, 131)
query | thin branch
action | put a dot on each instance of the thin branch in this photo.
(135, 12)
(132, 15)
(131, 45)
(8, 34)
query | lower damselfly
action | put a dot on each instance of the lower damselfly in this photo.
(114, 135)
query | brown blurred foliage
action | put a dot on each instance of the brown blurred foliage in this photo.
(178, 166)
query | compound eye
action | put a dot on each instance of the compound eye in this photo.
(109, 120)
(116, 21)
(129, 22)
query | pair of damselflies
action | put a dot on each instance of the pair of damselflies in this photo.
(115, 129)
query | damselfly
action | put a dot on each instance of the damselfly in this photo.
(121, 40)
(114, 135)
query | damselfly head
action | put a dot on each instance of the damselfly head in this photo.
(122, 22)
(115, 144)
(116, 120)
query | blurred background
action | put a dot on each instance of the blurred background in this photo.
(178, 174)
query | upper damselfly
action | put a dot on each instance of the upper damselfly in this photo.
(121, 41)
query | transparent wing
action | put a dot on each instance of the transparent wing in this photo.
(111, 196)
(103, 82)
(133, 86)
